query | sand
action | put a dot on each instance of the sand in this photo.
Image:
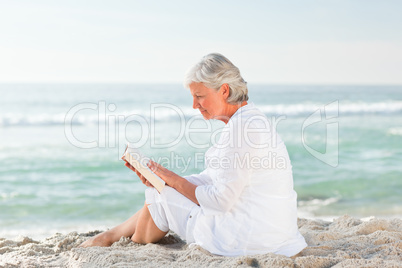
(345, 242)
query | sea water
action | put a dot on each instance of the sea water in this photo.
(60, 148)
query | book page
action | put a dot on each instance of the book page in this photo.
(139, 162)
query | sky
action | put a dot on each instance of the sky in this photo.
(272, 42)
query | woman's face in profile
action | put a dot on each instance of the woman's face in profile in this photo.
(207, 100)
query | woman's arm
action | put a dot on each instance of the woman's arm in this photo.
(181, 185)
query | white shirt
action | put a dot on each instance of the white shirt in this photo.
(247, 202)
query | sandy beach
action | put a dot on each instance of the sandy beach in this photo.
(344, 242)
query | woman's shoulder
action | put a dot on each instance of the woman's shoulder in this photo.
(249, 116)
(247, 127)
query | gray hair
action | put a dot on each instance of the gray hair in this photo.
(213, 71)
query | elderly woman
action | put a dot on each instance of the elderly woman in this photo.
(243, 202)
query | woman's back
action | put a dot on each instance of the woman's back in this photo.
(258, 212)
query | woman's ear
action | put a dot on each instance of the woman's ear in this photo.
(225, 91)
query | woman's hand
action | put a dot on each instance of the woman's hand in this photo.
(183, 186)
(168, 176)
(142, 178)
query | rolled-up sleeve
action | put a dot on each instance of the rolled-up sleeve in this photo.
(199, 179)
(227, 185)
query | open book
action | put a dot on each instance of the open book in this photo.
(139, 162)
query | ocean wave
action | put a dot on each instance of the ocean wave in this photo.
(307, 208)
(344, 108)
(396, 131)
(171, 112)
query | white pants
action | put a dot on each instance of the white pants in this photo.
(171, 210)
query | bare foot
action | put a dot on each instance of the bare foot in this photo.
(100, 240)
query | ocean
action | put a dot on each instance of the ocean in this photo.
(60, 148)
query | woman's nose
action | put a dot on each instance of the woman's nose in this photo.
(195, 103)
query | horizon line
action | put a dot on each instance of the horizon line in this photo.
(180, 83)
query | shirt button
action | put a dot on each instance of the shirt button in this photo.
(191, 216)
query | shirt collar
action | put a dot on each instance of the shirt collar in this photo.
(248, 106)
